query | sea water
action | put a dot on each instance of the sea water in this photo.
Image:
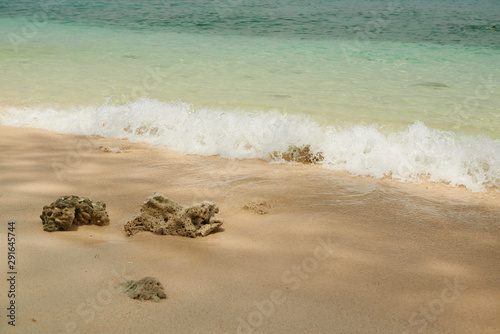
(408, 89)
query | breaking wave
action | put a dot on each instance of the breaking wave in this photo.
(415, 154)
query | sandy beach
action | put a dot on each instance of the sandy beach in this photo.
(334, 254)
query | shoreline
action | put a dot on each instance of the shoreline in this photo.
(336, 253)
(415, 154)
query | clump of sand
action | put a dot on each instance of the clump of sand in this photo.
(107, 149)
(260, 206)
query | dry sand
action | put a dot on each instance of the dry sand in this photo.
(334, 254)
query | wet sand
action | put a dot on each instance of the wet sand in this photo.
(334, 254)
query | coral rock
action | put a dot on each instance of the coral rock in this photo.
(69, 210)
(299, 154)
(147, 288)
(161, 215)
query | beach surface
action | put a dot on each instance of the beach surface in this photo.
(335, 253)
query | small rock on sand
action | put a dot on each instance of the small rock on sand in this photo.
(147, 288)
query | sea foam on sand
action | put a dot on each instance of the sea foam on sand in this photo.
(415, 154)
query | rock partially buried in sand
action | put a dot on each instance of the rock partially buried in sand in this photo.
(162, 215)
(147, 288)
(107, 149)
(260, 207)
(69, 210)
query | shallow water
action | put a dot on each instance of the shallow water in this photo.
(406, 89)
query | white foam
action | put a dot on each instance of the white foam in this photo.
(412, 155)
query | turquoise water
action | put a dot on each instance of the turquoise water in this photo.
(408, 89)
(441, 21)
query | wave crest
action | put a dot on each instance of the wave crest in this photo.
(416, 154)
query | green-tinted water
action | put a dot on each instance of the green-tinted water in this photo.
(244, 78)
(394, 83)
